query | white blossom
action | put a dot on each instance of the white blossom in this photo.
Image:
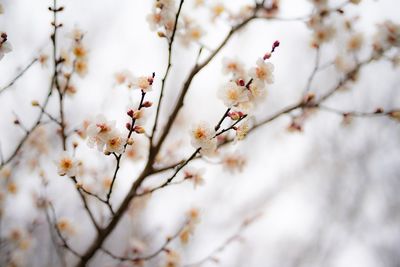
(234, 67)
(387, 36)
(67, 165)
(232, 94)
(263, 72)
(162, 16)
(99, 132)
(203, 137)
(115, 143)
(143, 83)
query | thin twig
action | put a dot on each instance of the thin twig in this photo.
(118, 157)
(235, 237)
(169, 180)
(62, 238)
(19, 75)
(162, 248)
(169, 65)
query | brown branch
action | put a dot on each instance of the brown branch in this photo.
(162, 248)
(235, 237)
(231, 127)
(43, 106)
(169, 180)
(62, 238)
(85, 204)
(164, 79)
(56, 62)
(18, 76)
(148, 169)
(377, 113)
(314, 71)
(196, 69)
(118, 157)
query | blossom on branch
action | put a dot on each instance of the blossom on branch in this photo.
(100, 131)
(203, 137)
(233, 94)
(263, 72)
(67, 165)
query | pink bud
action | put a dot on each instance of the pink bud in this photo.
(130, 113)
(138, 129)
(234, 115)
(128, 126)
(267, 56)
(147, 104)
(276, 44)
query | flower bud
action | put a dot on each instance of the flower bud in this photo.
(267, 56)
(139, 129)
(161, 34)
(35, 103)
(130, 113)
(147, 104)
(130, 141)
(234, 116)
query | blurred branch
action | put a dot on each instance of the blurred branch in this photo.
(163, 248)
(85, 204)
(36, 124)
(224, 245)
(164, 79)
(377, 113)
(314, 71)
(61, 237)
(19, 75)
(196, 69)
(118, 157)
(169, 180)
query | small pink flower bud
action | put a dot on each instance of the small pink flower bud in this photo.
(130, 141)
(35, 103)
(241, 82)
(147, 104)
(234, 115)
(276, 44)
(139, 129)
(130, 113)
(128, 126)
(267, 56)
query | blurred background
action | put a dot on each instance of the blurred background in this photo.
(328, 195)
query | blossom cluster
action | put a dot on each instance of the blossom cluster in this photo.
(387, 36)
(162, 17)
(243, 96)
(103, 134)
(239, 96)
(190, 31)
(144, 83)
